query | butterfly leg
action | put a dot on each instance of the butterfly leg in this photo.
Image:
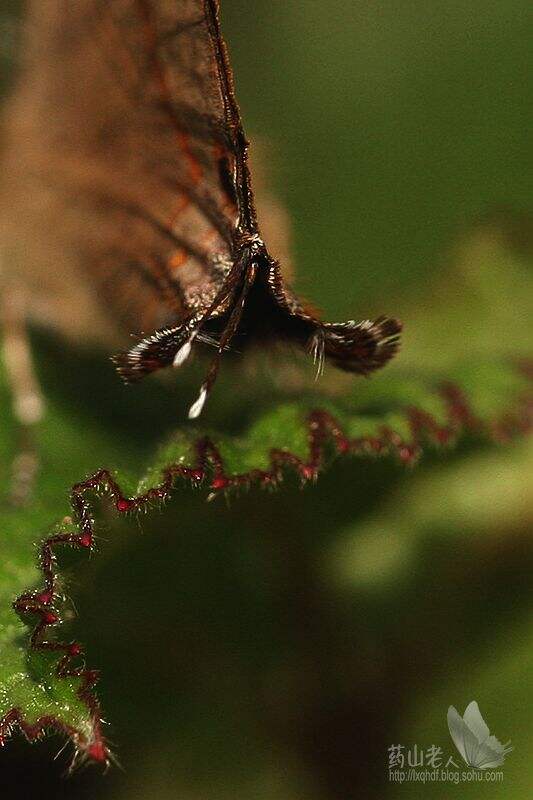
(173, 345)
(227, 335)
(27, 400)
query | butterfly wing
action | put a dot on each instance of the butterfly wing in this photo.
(475, 721)
(490, 752)
(121, 120)
(461, 735)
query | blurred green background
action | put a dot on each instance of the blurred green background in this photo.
(274, 648)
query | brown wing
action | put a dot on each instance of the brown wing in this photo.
(129, 120)
(122, 118)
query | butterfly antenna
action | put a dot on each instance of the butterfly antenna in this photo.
(204, 338)
(227, 335)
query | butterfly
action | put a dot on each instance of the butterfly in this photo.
(472, 738)
(132, 121)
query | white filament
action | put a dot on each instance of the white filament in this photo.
(183, 354)
(196, 408)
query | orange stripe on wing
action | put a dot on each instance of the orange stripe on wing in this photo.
(178, 259)
(181, 205)
(195, 169)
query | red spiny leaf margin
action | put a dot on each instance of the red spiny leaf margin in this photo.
(323, 429)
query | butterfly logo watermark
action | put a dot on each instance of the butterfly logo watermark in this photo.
(472, 737)
(481, 752)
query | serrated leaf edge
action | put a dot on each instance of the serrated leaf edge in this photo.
(322, 429)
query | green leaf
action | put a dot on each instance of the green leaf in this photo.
(43, 680)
